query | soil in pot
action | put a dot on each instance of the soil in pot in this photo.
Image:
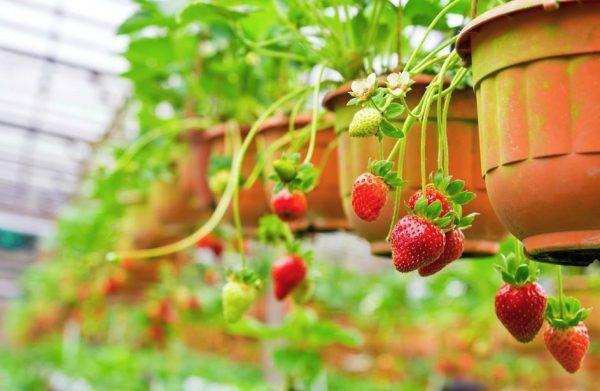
(253, 201)
(537, 79)
(484, 236)
(325, 212)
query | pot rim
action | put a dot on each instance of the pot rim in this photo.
(419, 79)
(463, 43)
(219, 130)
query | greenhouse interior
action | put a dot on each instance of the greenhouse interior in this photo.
(257, 195)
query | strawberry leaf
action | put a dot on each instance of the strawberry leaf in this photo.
(394, 110)
(390, 129)
(455, 187)
(463, 197)
(434, 209)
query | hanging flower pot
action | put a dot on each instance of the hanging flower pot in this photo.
(253, 203)
(325, 212)
(537, 78)
(193, 167)
(171, 205)
(354, 153)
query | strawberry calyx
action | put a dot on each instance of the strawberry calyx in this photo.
(383, 170)
(566, 313)
(286, 168)
(290, 174)
(453, 191)
(517, 272)
(245, 276)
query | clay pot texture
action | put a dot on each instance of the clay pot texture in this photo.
(537, 79)
(325, 212)
(253, 202)
(484, 236)
(194, 166)
(171, 205)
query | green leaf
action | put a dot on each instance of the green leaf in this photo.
(394, 110)
(455, 187)
(420, 205)
(508, 278)
(390, 130)
(522, 274)
(352, 102)
(463, 198)
(434, 209)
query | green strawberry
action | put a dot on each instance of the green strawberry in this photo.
(237, 298)
(365, 123)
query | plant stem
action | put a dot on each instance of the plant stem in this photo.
(399, 29)
(239, 233)
(314, 119)
(433, 23)
(423, 147)
(474, 6)
(223, 204)
(560, 291)
(400, 169)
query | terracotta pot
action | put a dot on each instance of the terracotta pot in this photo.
(325, 212)
(140, 228)
(253, 201)
(484, 236)
(171, 205)
(194, 167)
(537, 79)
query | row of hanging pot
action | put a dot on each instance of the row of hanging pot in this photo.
(526, 141)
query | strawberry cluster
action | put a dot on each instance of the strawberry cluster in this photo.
(292, 181)
(429, 237)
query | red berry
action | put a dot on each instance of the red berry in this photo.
(432, 195)
(289, 206)
(521, 309)
(287, 273)
(453, 249)
(369, 195)
(568, 346)
(415, 243)
(213, 243)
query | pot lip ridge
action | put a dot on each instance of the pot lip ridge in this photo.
(463, 43)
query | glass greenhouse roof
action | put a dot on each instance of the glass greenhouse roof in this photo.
(60, 92)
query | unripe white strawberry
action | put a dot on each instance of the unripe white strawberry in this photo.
(365, 123)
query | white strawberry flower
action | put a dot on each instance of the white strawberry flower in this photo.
(399, 83)
(364, 88)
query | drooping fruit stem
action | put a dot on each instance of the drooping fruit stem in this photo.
(398, 193)
(237, 219)
(223, 204)
(431, 26)
(314, 119)
(560, 291)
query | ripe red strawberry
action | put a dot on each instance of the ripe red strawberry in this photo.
(213, 243)
(566, 337)
(369, 195)
(415, 242)
(568, 345)
(521, 309)
(287, 273)
(289, 206)
(432, 195)
(453, 249)
(113, 284)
